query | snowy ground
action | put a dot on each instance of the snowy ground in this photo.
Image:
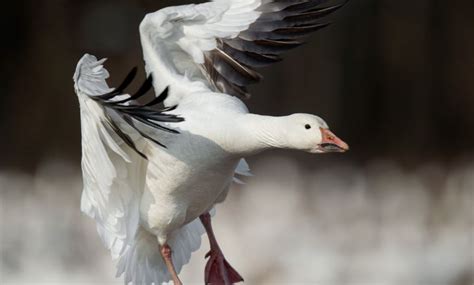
(346, 224)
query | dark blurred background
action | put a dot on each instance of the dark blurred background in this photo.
(395, 79)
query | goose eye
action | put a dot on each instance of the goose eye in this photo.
(307, 126)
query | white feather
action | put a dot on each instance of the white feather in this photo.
(242, 169)
(113, 174)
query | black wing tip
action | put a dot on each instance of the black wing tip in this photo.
(130, 122)
(119, 90)
(141, 113)
(125, 138)
(282, 26)
(146, 86)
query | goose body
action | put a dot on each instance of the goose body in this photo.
(152, 175)
(197, 168)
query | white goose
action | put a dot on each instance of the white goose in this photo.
(151, 176)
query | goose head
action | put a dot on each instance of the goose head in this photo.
(304, 132)
(310, 133)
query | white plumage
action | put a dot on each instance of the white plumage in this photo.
(114, 182)
(143, 195)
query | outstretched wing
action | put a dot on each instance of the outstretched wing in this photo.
(228, 39)
(115, 108)
(113, 167)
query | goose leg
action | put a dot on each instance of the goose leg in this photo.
(165, 251)
(218, 270)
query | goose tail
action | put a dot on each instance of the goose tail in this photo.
(142, 263)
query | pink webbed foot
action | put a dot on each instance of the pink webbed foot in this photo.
(218, 270)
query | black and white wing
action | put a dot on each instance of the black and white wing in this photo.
(222, 43)
(113, 166)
